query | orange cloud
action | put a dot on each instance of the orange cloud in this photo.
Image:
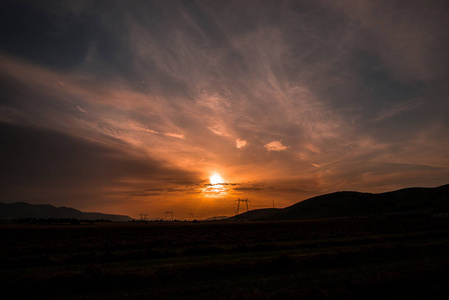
(240, 143)
(275, 146)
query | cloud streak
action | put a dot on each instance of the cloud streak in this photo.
(287, 99)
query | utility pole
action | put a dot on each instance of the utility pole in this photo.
(169, 216)
(273, 204)
(190, 216)
(244, 201)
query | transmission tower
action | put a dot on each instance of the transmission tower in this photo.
(168, 216)
(143, 217)
(244, 201)
(190, 216)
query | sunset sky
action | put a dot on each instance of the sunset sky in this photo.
(131, 107)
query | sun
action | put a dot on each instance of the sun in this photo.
(216, 179)
(217, 187)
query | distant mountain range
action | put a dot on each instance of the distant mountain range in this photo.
(409, 201)
(22, 210)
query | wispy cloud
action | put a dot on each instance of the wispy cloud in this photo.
(287, 97)
(82, 110)
(399, 108)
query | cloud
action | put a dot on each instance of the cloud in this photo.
(82, 110)
(175, 135)
(398, 109)
(218, 129)
(239, 144)
(45, 165)
(408, 37)
(175, 86)
(58, 40)
(275, 146)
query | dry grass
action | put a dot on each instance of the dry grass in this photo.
(403, 258)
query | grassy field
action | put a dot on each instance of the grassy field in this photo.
(373, 258)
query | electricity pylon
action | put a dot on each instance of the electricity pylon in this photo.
(238, 204)
(143, 217)
(169, 215)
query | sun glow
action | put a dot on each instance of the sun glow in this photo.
(216, 179)
(216, 188)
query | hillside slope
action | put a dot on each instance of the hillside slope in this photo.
(22, 210)
(351, 204)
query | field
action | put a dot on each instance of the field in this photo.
(371, 258)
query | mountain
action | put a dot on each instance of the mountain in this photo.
(22, 210)
(407, 201)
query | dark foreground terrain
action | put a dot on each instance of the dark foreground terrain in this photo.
(371, 258)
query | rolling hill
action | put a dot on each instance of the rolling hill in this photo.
(409, 201)
(22, 210)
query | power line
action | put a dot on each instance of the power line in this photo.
(244, 201)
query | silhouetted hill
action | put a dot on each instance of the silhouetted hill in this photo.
(257, 213)
(351, 204)
(22, 210)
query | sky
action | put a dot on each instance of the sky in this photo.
(133, 107)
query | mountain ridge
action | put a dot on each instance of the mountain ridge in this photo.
(23, 210)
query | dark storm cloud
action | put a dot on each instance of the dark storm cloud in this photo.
(58, 39)
(44, 165)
